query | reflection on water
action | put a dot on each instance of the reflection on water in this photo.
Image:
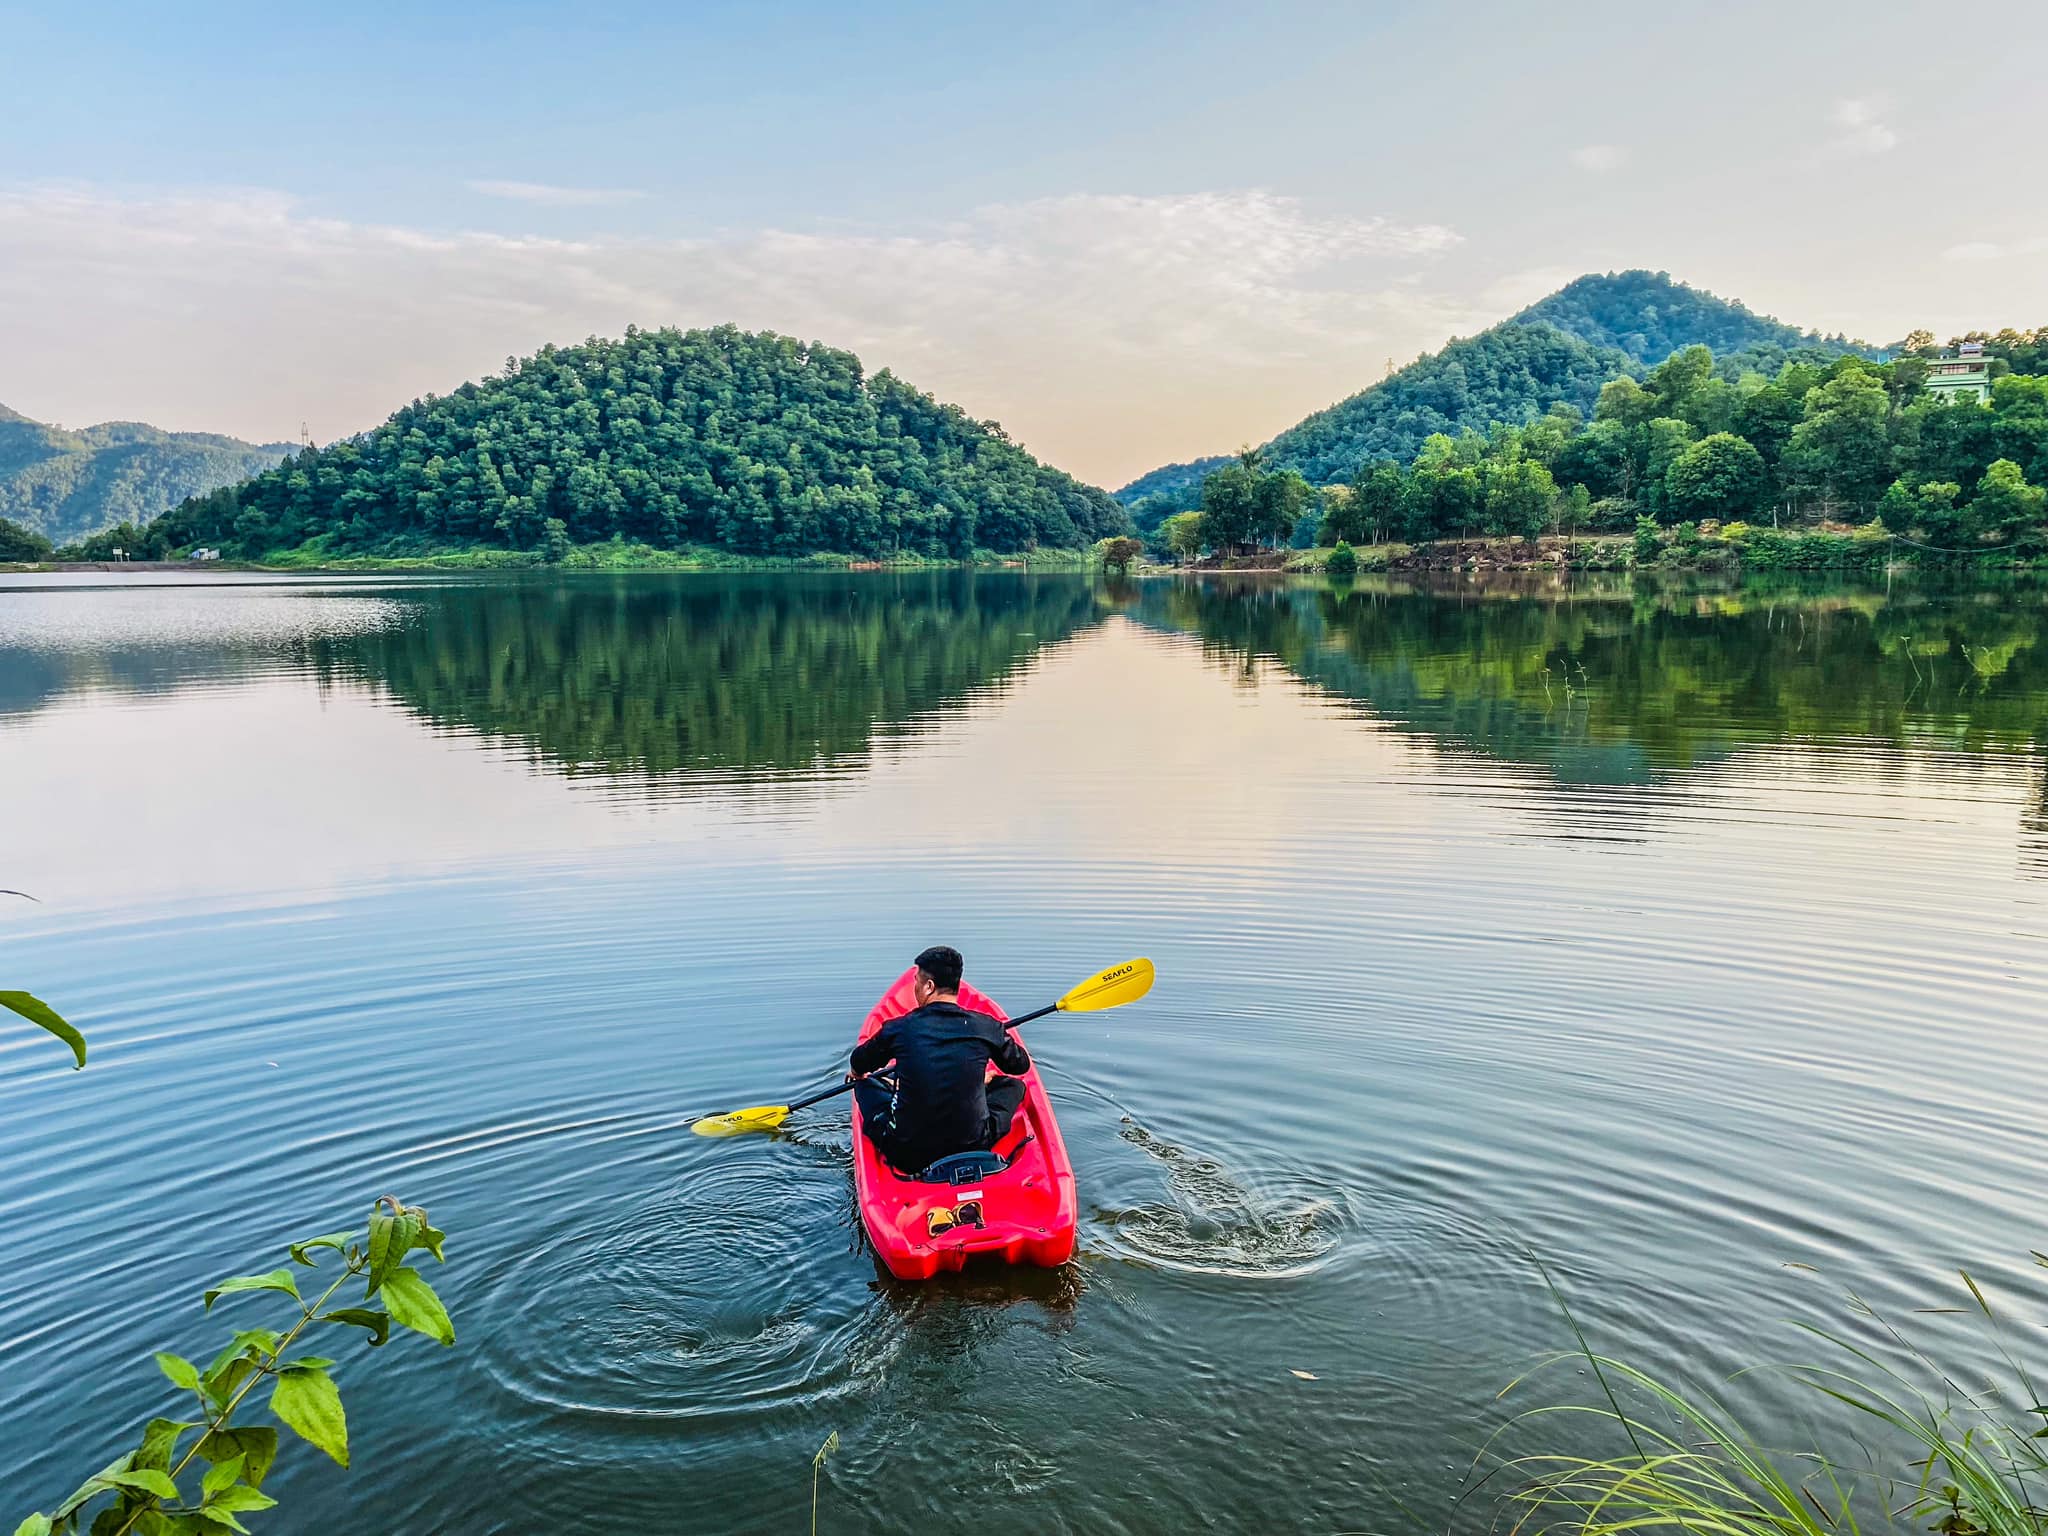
(56, 643)
(638, 681)
(642, 680)
(607, 676)
(1612, 684)
(1675, 938)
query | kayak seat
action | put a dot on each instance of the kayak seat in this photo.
(963, 1168)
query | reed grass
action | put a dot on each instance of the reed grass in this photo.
(817, 1467)
(1939, 1457)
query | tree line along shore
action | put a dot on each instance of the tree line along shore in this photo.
(1851, 461)
(726, 450)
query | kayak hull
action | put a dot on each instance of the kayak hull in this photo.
(1029, 1210)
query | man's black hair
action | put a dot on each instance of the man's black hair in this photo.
(943, 964)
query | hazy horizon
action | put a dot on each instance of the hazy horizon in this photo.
(1132, 239)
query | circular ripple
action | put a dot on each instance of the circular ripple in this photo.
(707, 1297)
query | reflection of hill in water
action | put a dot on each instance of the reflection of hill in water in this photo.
(1615, 687)
(644, 679)
(151, 638)
(669, 681)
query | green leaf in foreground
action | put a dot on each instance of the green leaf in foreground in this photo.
(256, 1444)
(263, 1341)
(36, 1011)
(309, 1404)
(222, 1474)
(143, 1480)
(302, 1253)
(391, 1238)
(379, 1323)
(239, 1500)
(276, 1280)
(414, 1305)
(93, 1486)
(34, 1525)
(183, 1372)
(160, 1443)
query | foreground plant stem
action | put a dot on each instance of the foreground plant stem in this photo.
(227, 1411)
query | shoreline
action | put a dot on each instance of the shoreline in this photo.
(466, 564)
(1761, 552)
(1817, 551)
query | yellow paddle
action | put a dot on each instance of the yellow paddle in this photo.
(1112, 988)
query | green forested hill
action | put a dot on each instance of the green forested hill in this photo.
(1511, 373)
(1559, 350)
(1170, 478)
(749, 442)
(66, 485)
(1649, 316)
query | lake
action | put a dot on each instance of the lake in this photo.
(1695, 945)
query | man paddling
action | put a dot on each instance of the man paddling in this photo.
(945, 1101)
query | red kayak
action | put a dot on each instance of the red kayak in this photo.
(1016, 1205)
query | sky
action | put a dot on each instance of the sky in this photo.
(1133, 234)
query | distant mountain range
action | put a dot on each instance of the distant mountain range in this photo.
(66, 485)
(1560, 349)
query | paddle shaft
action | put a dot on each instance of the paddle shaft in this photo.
(833, 1093)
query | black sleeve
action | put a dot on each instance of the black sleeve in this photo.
(878, 1050)
(1009, 1052)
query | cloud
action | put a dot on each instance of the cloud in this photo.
(1988, 250)
(1861, 132)
(554, 197)
(1599, 158)
(1109, 333)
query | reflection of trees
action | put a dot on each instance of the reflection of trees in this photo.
(644, 677)
(157, 639)
(31, 679)
(628, 676)
(2034, 824)
(1619, 686)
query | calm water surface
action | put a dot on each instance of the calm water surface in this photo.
(1682, 941)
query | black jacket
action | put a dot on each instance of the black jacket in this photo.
(942, 1052)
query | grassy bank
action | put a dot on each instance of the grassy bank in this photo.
(1732, 548)
(1959, 1452)
(621, 555)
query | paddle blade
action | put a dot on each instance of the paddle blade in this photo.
(762, 1117)
(1113, 988)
